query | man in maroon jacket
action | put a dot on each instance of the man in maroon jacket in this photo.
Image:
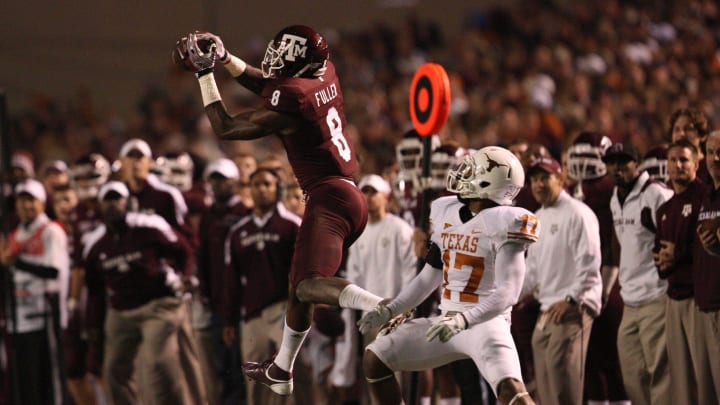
(706, 281)
(148, 194)
(258, 254)
(128, 255)
(603, 379)
(303, 106)
(677, 219)
(215, 222)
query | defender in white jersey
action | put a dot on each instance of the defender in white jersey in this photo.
(476, 254)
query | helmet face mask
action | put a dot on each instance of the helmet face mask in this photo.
(585, 162)
(176, 170)
(492, 173)
(440, 163)
(656, 168)
(585, 156)
(409, 154)
(296, 51)
(88, 174)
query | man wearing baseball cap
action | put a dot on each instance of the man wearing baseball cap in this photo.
(37, 252)
(129, 256)
(563, 272)
(381, 261)
(641, 337)
(147, 193)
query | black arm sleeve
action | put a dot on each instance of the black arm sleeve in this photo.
(434, 257)
(37, 270)
(646, 219)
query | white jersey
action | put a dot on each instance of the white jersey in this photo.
(382, 260)
(638, 277)
(468, 249)
(42, 243)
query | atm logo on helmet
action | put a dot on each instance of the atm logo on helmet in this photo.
(295, 46)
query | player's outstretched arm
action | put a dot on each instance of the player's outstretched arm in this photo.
(195, 55)
(409, 297)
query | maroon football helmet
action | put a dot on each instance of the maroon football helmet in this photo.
(296, 51)
(655, 163)
(89, 173)
(585, 156)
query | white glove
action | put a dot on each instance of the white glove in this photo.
(446, 328)
(374, 319)
(200, 60)
(222, 54)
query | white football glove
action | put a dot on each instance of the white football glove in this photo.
(446, 327)
(222, 54)
(202, 60)
(374, 319)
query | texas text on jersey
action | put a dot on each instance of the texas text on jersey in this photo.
(468, 248)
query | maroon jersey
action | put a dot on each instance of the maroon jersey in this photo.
(84, 219)
(258, 257)
(677, 219)
(215, 223)
(166, 201)
(409, 206)
(320, 148)
(526, 200)
(706, 276)
(133, 262)
(597, 194)
(198, 198)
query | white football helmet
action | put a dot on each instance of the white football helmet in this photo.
(492, 173)
(584, 161)
(176, 169)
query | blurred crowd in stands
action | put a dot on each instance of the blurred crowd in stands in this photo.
(541, 72)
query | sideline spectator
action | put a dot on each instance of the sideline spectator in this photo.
(677, 220)
(641, 337)
(706, 281)
(36, 254)
(128, 254)
(563, 271)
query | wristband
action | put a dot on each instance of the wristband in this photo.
(235, 66)
(208, 89)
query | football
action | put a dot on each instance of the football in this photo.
(180, 53)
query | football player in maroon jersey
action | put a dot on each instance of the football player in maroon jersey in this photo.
(303, 106)
(82, 343)
(603, 379)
